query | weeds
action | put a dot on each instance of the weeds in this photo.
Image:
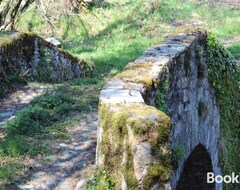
(101, 181)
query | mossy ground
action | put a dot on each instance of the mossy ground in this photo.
(156, 172)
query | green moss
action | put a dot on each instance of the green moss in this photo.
(126, 74)
(144, 110)
(156, 173)
(119, 121)
(140, 66)
(113, 122)
(224, 75)
(142, 119)
(138, 116)
(141, 125)
(128, 169)
(164, 129)
(4, 41)
(114, 119)
(136, 77)
(147, 119)
(177, 154)
(163, 86)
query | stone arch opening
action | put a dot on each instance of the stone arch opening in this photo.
(194, 175)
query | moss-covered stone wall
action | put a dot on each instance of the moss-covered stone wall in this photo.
(26, 55)
(154, 113)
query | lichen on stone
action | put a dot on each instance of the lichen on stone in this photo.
(143, 120)
(135, 137)
(26, 54)
(136, 76)
(156, 173)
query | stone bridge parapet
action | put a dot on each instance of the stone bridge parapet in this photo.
(156, 113)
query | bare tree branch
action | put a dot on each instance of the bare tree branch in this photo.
(10, 11)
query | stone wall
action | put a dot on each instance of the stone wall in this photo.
(135, 138)
(24, 54)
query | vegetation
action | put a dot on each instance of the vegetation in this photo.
(225, 78)
(101, 181)
(144, 121)
(112, 34)
(234, 49)
(11, 10)
(161, 96)
(43, 122)
(178, 152)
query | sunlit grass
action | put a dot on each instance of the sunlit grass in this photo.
(114, 35)
(235, 49)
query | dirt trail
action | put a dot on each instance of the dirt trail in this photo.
(229, 42)
(69, 167)
(72, 160)
(16, 101)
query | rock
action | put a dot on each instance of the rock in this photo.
(81, 184)
(142, 158)
(54, 41)
(63, 145)
(30, 55)
(134, 138)
(119, 96)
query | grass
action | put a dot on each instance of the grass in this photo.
(101, 181)
(235, 49)
(43, 122)
(10, 169)
(110, 36)
(119, 33)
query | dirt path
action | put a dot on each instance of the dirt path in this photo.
(72, 160)
(16, 101)
(69, 167)
(228, 43)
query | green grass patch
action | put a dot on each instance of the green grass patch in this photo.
(235, 49)
(14, 146)
(9, 169)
